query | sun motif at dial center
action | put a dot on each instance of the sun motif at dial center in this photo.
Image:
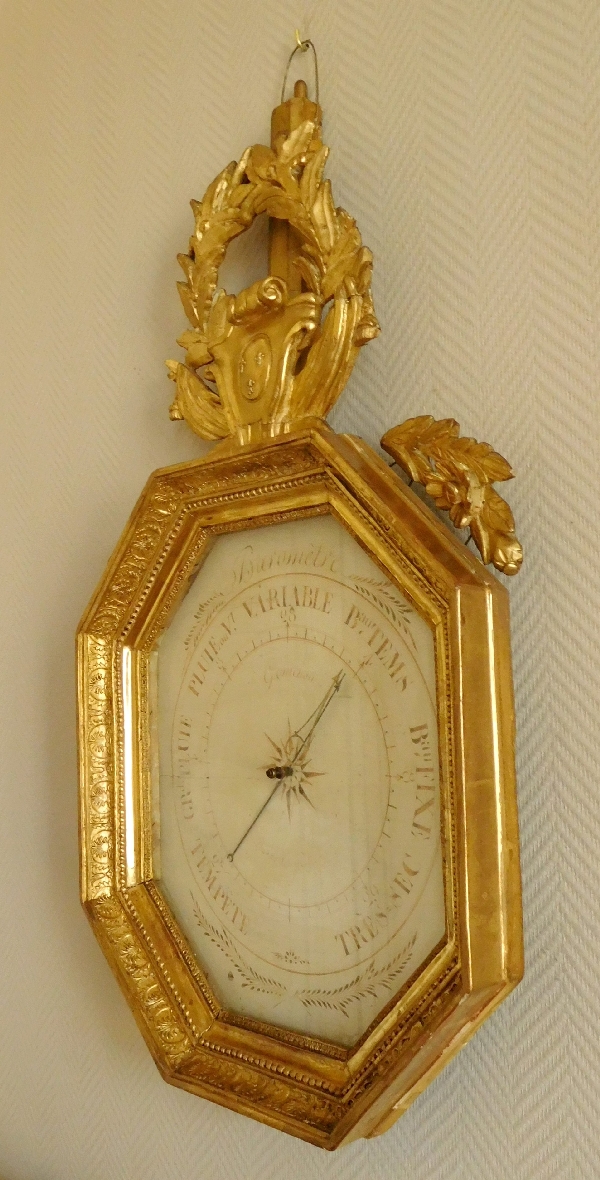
(293, 759)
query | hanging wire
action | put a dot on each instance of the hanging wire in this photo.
(301, 47)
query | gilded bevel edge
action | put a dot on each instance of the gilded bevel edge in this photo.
(186, 957)
(335, 1114)
(491, 927)
(288, 1056)
(442, 965)
(415, 1045)
(461, 1022)
(264, 1089)
(510, 844)
(182, 547)
(471, 572)
(244, 509)
(487, 822)
(468, 1023)
(459, 1018)
(148, 759)
(487, 845)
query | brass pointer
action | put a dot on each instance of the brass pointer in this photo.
(317, 714)
(282, 772)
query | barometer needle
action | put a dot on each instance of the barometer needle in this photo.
(329, 695)
(282, 772)
(230, 855)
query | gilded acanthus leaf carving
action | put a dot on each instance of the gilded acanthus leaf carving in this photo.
(287, 1097)
(251, 346)
(458, 474)
(138, 974)
(96, 755)
(151, 527)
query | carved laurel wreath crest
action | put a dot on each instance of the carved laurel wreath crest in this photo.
(307, 358)
(335, 267)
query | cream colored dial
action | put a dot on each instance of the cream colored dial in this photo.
(298, 819)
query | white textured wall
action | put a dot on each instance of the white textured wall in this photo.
(465, 138)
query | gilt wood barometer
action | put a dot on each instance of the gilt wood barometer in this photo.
(298, 823)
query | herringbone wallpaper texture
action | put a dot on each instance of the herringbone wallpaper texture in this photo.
(465, 138)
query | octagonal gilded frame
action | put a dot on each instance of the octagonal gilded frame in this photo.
(308, 1088)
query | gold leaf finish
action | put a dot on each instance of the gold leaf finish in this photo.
(458, 473)
(308, 1088)
(270, 358)
(278, 1098)
(261, 371)
(96, 763)
(139, 976)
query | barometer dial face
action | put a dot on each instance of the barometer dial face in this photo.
(297, 812)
